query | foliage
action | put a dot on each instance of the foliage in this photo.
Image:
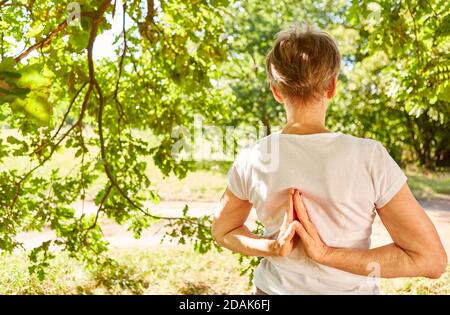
(58, 96)
(174, 59)
(398, 89)
(248, 264)
(251, 27)
(394, 85)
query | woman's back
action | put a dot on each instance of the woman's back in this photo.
(317, 242)
(342, 179)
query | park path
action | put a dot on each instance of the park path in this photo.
(119, 237)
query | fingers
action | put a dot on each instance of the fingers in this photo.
(290, 208)
(285, 223)
(300, 210)
(294, 213)
(289, 211)
(290, 232)
(301, 231)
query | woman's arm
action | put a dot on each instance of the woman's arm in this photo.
(229, 230)
(416, 249)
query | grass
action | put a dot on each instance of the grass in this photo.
(429, 185)
(163, 270)
(420, 286)
(200, 185)
(166, 270)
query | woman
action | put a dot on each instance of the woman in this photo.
(317, 192)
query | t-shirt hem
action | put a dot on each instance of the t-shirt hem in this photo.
(234, 191)
(394, 189)
(260, 282)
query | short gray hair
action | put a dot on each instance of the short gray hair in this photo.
(303, 62)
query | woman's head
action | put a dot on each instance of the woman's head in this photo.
(303, 65)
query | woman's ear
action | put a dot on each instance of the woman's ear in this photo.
(331, 92)
(276, 94)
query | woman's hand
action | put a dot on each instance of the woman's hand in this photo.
(416, 250)
(314, 247)
(287, 238)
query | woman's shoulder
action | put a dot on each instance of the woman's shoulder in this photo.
(360, 141)
(270, 143)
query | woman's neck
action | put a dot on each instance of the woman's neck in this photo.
(305, 118)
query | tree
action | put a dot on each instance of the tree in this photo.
(174, 59)
(251, 28)
(398, 89)
(58, 97)
(385, 45)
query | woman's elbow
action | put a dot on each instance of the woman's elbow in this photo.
(435, 264)
(217, 233)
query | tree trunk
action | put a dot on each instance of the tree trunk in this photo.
(267, 126)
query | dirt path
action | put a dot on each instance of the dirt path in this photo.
(119, 237)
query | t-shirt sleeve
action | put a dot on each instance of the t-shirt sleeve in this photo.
(387, 176)
(236, 178)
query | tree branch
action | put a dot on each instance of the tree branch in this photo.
(107, 167)
(58, 29)
(61, 125)
(44, 42)
(150, 11)
(100, 209)
(93, 34)
(93, 82)
(416, 35)
(122, 59)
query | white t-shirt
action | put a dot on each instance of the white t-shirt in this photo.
(342, 179)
